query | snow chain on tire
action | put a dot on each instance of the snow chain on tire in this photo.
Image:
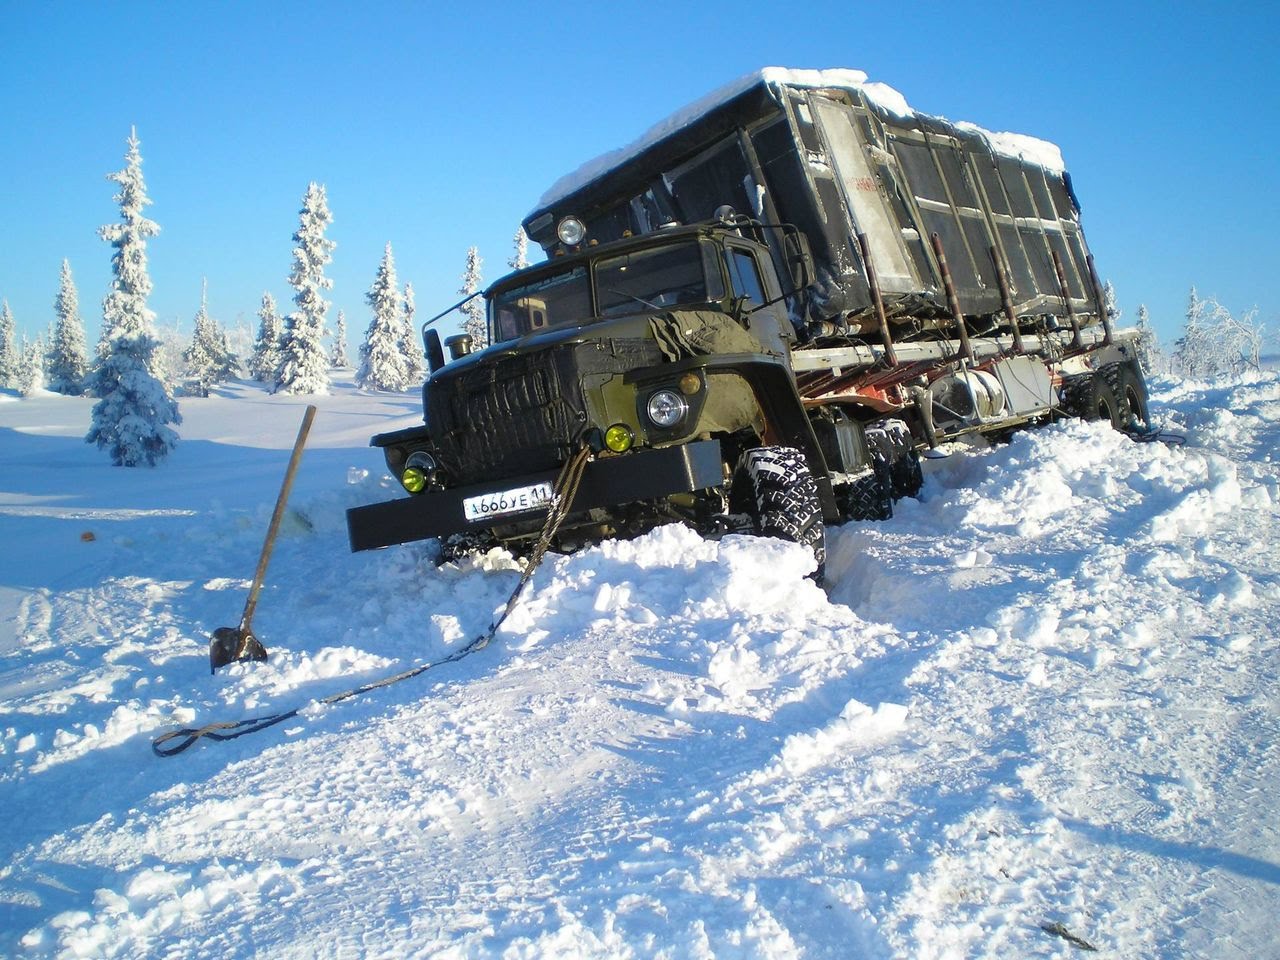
(563, 494)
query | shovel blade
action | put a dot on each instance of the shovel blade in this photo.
(232, 645)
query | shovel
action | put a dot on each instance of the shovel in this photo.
(232, 644)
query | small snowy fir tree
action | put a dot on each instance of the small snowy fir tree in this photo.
(265, 360)
(339, 358)
(68, 362)
(473, 322)
(304, 365)
(520, 259)
(1148, 344)
(208, 358)
(171, 341)
(132, 416)
(1191, 351)
(1109, 303)
(31, 368)
(412, 346)
(382, 360)
(10, 358)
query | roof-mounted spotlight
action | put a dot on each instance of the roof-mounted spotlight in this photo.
(571, 231)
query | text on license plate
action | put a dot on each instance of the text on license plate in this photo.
(506, 501)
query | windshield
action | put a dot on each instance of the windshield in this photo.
(657, 278)
(555, 301)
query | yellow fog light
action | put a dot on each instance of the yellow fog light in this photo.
(690, 384)
(619, 438)
(413, 479)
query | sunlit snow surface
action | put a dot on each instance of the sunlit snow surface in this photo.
(1045, 693)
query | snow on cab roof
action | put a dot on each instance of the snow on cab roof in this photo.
(1020, 146)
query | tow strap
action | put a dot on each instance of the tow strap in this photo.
(563, 493)
(1154, 434)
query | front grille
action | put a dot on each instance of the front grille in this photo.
(522, 413)
(515, 414)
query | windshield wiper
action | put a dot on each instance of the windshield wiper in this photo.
(632, 296)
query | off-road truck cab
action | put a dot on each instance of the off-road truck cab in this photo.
(667, 354)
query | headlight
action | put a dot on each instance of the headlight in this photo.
(571, 231)
(666, 408)
(423, 461)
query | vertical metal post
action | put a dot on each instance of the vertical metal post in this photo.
(953, 302)
(1006, 299)
(890, 355)
(1066, 300)
(1102, 299)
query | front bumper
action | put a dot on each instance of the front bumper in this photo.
(608, 482)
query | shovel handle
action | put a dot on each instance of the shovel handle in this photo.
(276, 517)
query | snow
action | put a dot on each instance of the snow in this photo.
(1016, 145)
(1041, 698)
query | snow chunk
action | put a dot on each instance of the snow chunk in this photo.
(888, 99)
(1020, 147)
(857, 723)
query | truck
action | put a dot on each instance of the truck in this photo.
(754, 319)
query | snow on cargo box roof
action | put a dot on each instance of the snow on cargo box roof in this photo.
(881, 95)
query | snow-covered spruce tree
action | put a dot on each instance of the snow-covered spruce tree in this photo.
(265, 360)
(9, 355)
(197, 362)
(1109, 303)
(30, 380)
(339, 358)
(208, 358)
(1148, 344)
(68, 362)
(1192, 352)
(304, 364)
(124, 310)
(412, 345)
(132, 416)
(520, 259)
(473, 310)
(382, 360)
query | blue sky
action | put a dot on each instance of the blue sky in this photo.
(437, 127)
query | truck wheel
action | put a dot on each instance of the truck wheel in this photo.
(774, 487)
(1090, 396)
(896, 461)
(908, 477)
(869, 497)
(1132, 391)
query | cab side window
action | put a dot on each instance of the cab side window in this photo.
(745, 275)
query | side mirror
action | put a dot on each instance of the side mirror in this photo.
(799, 258)
(435, 354)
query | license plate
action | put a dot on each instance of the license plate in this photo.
(503, 502)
